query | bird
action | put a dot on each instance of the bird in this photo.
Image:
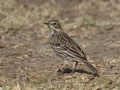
(66, 48)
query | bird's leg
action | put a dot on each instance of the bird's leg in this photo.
(65, 66)
(76, 63)
(81, 67)
(62, 70)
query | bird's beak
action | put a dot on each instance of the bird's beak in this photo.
(46, 23)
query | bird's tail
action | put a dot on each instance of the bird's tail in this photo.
(95, 72)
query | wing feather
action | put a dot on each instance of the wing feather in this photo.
(63, 45)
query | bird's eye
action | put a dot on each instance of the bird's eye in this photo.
(54, 24)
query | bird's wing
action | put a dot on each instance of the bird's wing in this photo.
(71, 46)
(68, 46)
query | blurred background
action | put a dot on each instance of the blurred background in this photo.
(26, 12)
(26, 58)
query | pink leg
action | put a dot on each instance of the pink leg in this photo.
(76, 63)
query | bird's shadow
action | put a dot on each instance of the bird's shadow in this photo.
(68, 71)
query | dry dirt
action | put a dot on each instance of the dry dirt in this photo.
(27, 61)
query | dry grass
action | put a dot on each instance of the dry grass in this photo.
(49, 81)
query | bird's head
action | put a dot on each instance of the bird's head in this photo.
(54, 25)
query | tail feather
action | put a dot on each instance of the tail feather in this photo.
(92, 68)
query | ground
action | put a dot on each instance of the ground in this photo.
(27, 61)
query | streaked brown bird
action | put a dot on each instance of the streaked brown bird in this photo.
(65, 47)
